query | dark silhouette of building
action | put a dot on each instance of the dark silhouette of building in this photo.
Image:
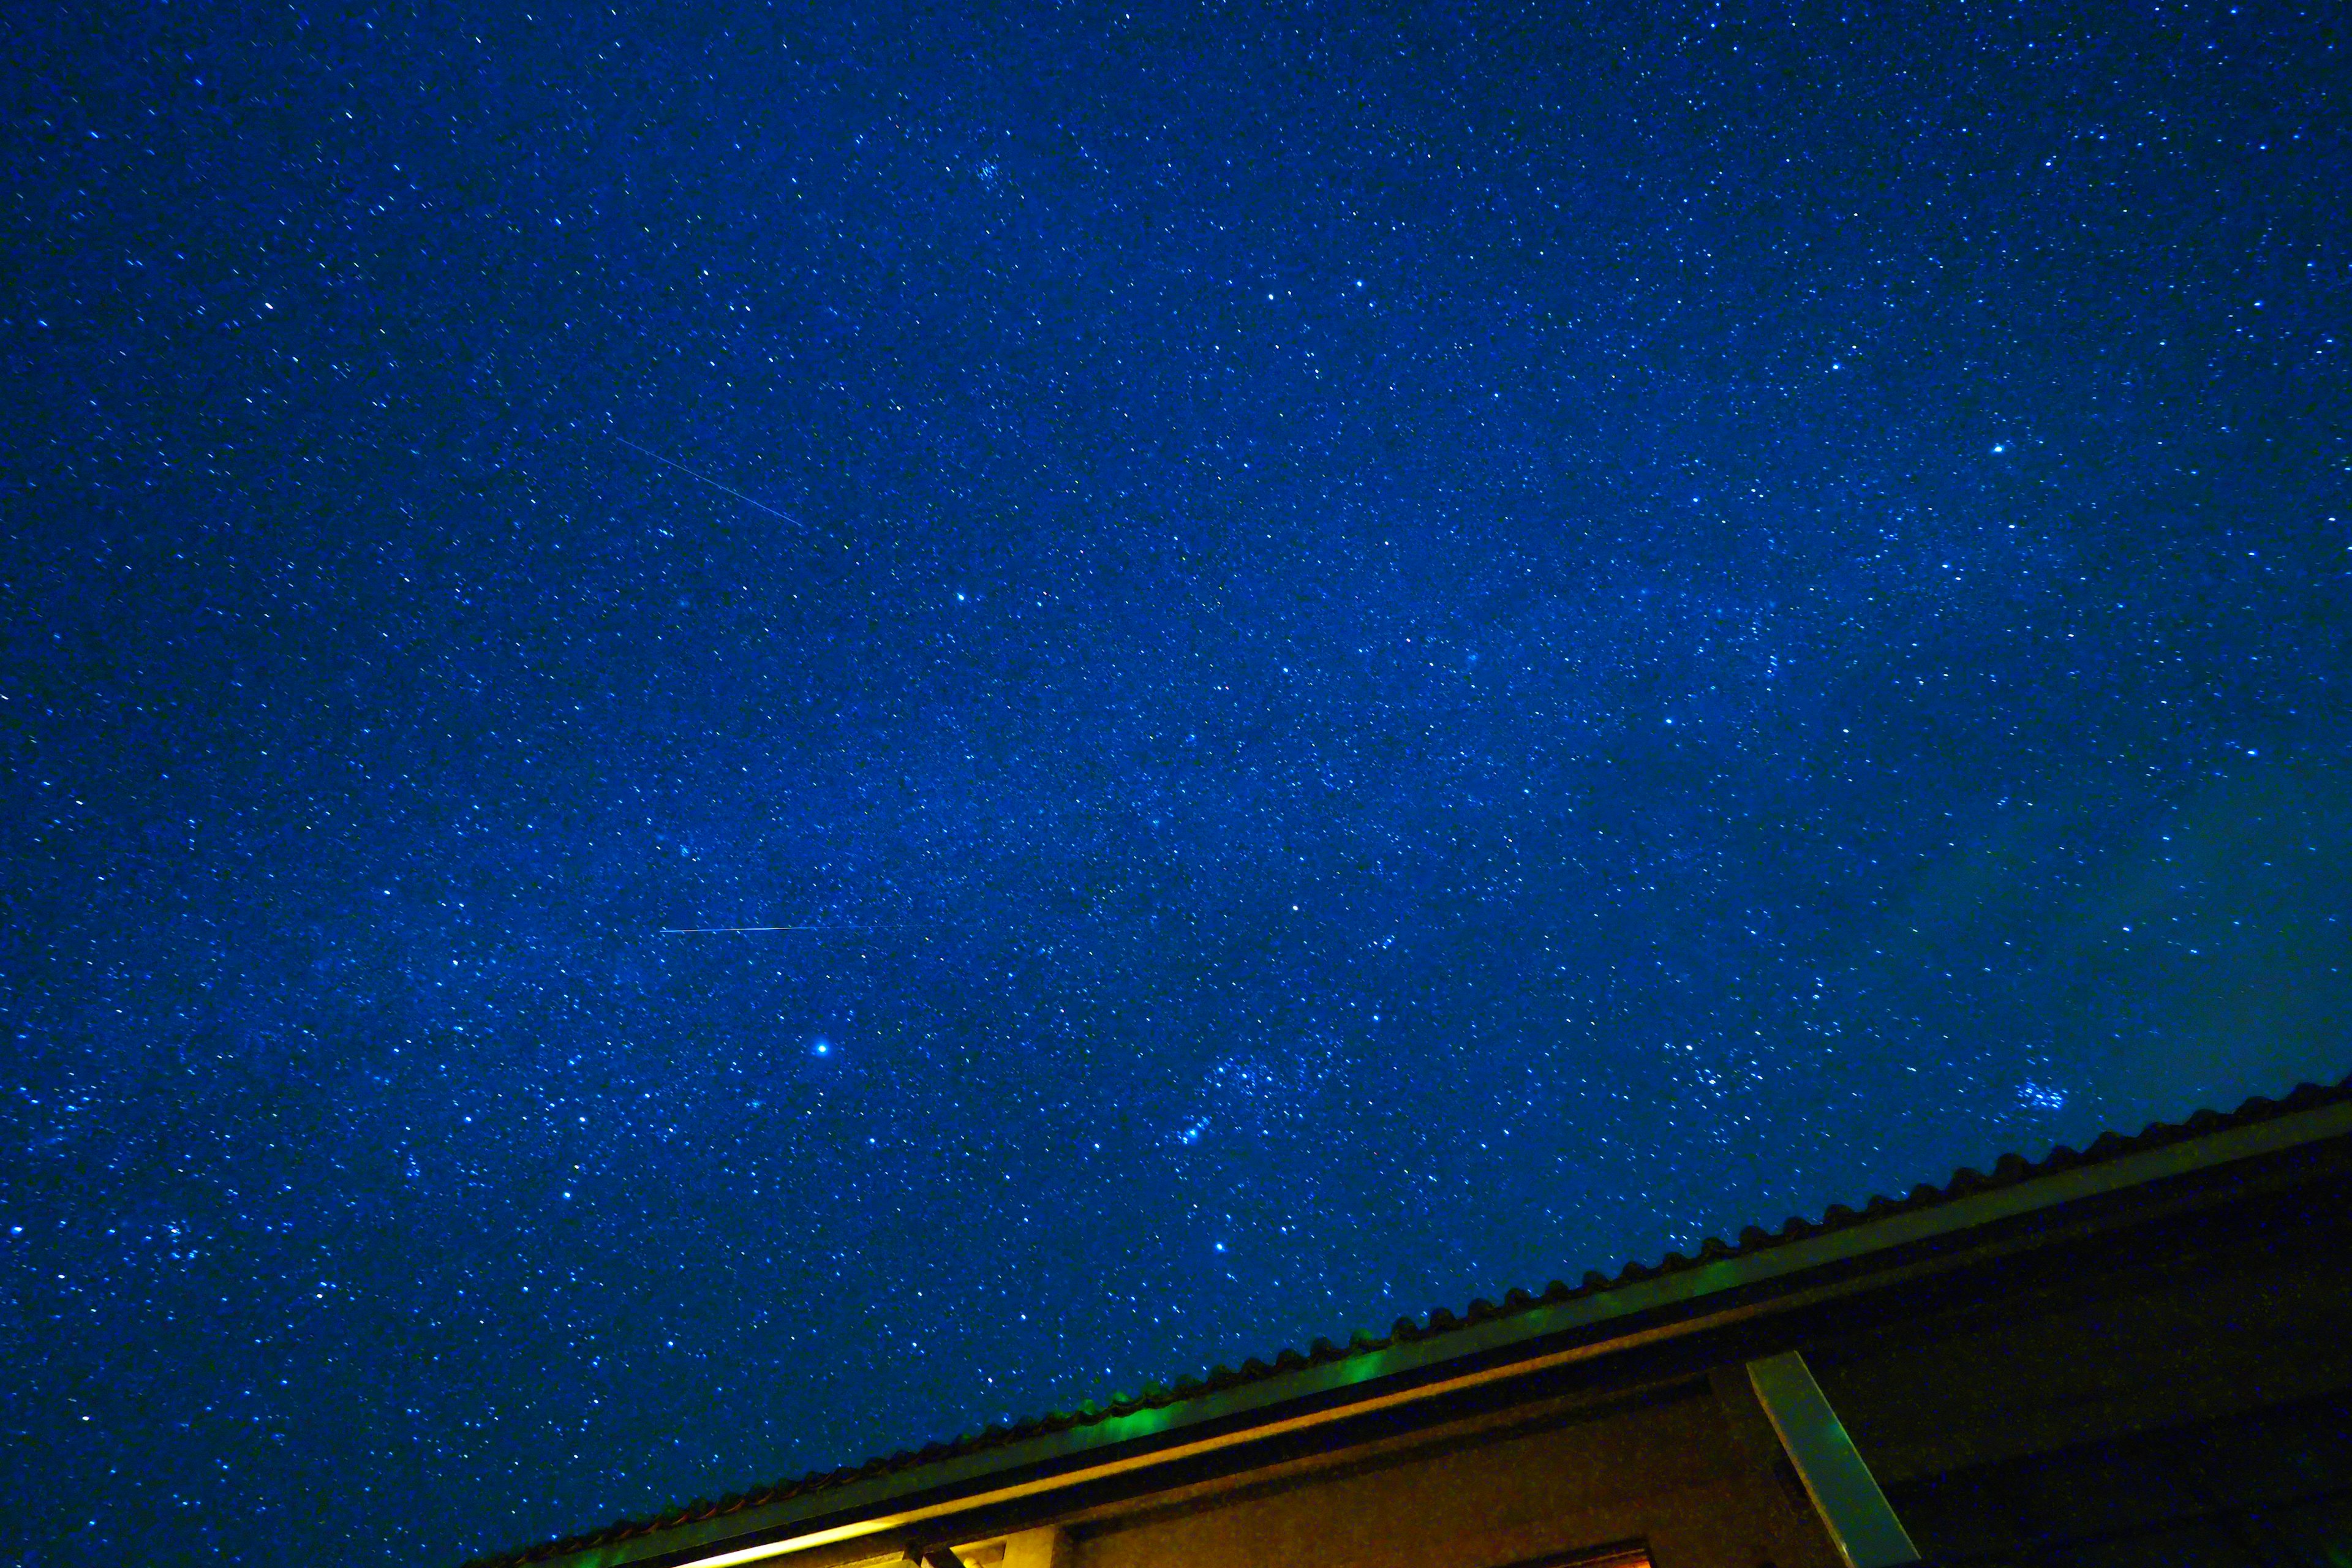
(2140, 1353)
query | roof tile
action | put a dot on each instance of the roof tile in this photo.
(2007, 1171)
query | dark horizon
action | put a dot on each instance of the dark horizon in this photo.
(741, 735)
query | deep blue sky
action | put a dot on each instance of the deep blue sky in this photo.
(1390, 651)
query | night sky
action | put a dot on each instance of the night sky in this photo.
(1366, 653)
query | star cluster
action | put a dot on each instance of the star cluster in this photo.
(741, 734)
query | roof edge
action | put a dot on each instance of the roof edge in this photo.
(1335, 1383)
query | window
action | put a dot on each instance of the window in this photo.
(1615, 1554)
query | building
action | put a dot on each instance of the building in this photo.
(2140, 1353)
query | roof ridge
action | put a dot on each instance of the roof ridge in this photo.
(2009, 1170)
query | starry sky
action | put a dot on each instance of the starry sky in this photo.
(1361, 653)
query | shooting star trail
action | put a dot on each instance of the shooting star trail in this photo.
(719, 930)
(716, 485)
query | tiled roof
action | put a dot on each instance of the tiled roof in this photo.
(2010, 1171)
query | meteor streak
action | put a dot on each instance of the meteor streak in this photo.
(716, 485)
(715, 931)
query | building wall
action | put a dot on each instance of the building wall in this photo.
(2183, 1397)
(1670, 1469)
(2061, 1393)
(2153, 1369)
(2098, 1348)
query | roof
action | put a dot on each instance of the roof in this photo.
(963, 1469)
